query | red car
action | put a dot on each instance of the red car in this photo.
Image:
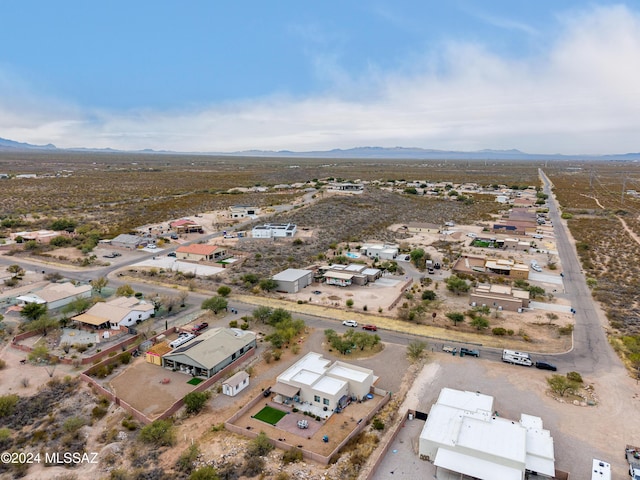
(199, 327)
(373, 328)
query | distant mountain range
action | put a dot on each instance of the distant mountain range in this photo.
(399, 153)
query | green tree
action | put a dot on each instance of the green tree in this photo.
(535, 291)
(33, 311)
(99, 283)
(160, 433)
(44, 323)
(479, 323)
(224, 291)
(78, 305)
(417, 257)
(415, 349)
(429, 295)
(39, 353)
(215, 304)
(561, 385)
(63, 224)
(196, 401)
(455, 317)
(457, 285)
(279, 315)
(124, 291)
(262, 314)
(268, 284)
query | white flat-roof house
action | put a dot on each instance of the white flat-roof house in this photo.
(274, 230)
(210, 352)
(116, 313)
(56, 295)
(462, 435)
(243, 211)
(313, 383)
(345, 275)
(292, 280)
(379, 250)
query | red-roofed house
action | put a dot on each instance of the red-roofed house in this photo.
(185, 225)
(199, 252)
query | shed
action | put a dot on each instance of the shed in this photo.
(235, 384)
(292, 280)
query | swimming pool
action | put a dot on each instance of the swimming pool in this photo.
(352, 255)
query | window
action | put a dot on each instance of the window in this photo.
(325, 401)
(316, 398)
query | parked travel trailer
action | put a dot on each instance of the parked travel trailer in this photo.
(601, 470)
(518, 358)
(182, 340)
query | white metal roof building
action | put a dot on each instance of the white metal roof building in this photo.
(271, 230)
(57, 295)
(292, 280)
(462, 435)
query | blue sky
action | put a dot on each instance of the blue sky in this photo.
(549, 76)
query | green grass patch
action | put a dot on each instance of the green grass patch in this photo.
(195, 381)
(270, 415)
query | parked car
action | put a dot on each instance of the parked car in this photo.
(546, 366)
(431, 271)
(267, 392)
(536, 267)
(350, 323)
(449, 349)
(436, 266)
(172, 254)
(471, 235)
(537, 235)
(151, 246)
(468, 351)
(373, 328)
(199, 327)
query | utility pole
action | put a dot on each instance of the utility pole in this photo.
(624, 189)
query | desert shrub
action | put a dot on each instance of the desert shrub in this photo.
(566, 330)
(233, 324)
(499, 331)
(187, 459)
(8, 404)
(428, 295)
(73, 424)
(252, 466)
(259, 446)
(129, 424)
(3, 364)
(377, 424)
(98, 412)
(574, 377)
(125, 358)
(292, 456)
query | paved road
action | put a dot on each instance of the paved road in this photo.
(591, 352)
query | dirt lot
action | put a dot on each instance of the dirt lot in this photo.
(144, 386)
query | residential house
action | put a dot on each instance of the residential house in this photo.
(199, 252)
(235, 384)
(380, 251)
(131, 242)
(210, 352)
(242, 211)
(463, 436)
(121, 312)
(345, 275)
(56, 295)
(501, 297)
(313, 383)
(274, 230)
(292, 280)
(186, 225)
(39, 236)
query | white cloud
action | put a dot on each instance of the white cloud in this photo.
(583, 96)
